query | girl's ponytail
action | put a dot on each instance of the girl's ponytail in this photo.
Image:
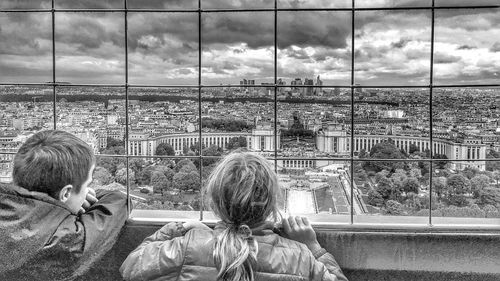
(235, 254)
(243, 191)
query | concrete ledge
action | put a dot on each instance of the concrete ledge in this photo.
(368, 255)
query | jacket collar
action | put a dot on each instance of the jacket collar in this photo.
(10, 189)
(262, 229)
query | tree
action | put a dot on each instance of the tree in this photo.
(110, 163)
(112, 142)
(386, 189)
(101, 176)
(493, 165)
(478, 183)
(394, 208)
(144, 176)
(414, 148)
(236, 142)
(375, 198)
(136, 164)
(385, 150)
(381, 175)
(424, 203)
(164, 149)
(359, 173)
(196, 147)
(159, 182)
(457, 186)
(169, 173)
(411, 184)
(440, 164)
(182, 163)
(470, 172)
(121, 176)
(212, 150)
(489, 196)
(415, 173)
(439, 186)
(187, 181)
(363, 154)
(496, 176)
(398, 178)
(412, 201)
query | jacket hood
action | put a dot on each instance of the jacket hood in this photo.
(27, 222)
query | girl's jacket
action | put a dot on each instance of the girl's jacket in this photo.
(168, 255)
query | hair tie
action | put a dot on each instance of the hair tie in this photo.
(244, 231)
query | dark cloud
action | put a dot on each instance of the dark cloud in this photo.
(467, 19)
(445, 58)
(11, 4)
(297, 4)
(185, 71)
(481, 77)
(401, 43)
(466, 47)
(328, 29)
(89, 4)
(164, 27)
(495, 47)
(22, 34)
(162, 4)
(254, 29)
(300, 54)
(322, 54)
(39, 72)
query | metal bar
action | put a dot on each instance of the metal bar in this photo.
(351, 167)
(299, 158)
(26, 10)
(465, 85)
(275, 86)
(254, 86)
(431, 140)
(127, 159)
(236, 10)
(200, 123)
(54, 94)
(385, 227)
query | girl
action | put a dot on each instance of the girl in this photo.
(243, 191)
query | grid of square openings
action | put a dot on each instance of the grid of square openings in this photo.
(126, 16)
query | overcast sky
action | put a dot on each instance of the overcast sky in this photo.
(391, 47)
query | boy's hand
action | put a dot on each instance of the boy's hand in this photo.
(90, 199)
(300, 230)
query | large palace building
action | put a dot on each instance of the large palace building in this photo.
(259, 139)
(331, 141)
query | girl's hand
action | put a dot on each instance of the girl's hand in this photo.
(194, 224)
(300, 230)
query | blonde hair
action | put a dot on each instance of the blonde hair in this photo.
(243, 191)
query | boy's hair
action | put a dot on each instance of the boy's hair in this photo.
(243, 190)
(50, 160)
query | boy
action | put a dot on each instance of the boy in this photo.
(52, 226)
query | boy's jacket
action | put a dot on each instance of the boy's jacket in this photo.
(40, 239)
